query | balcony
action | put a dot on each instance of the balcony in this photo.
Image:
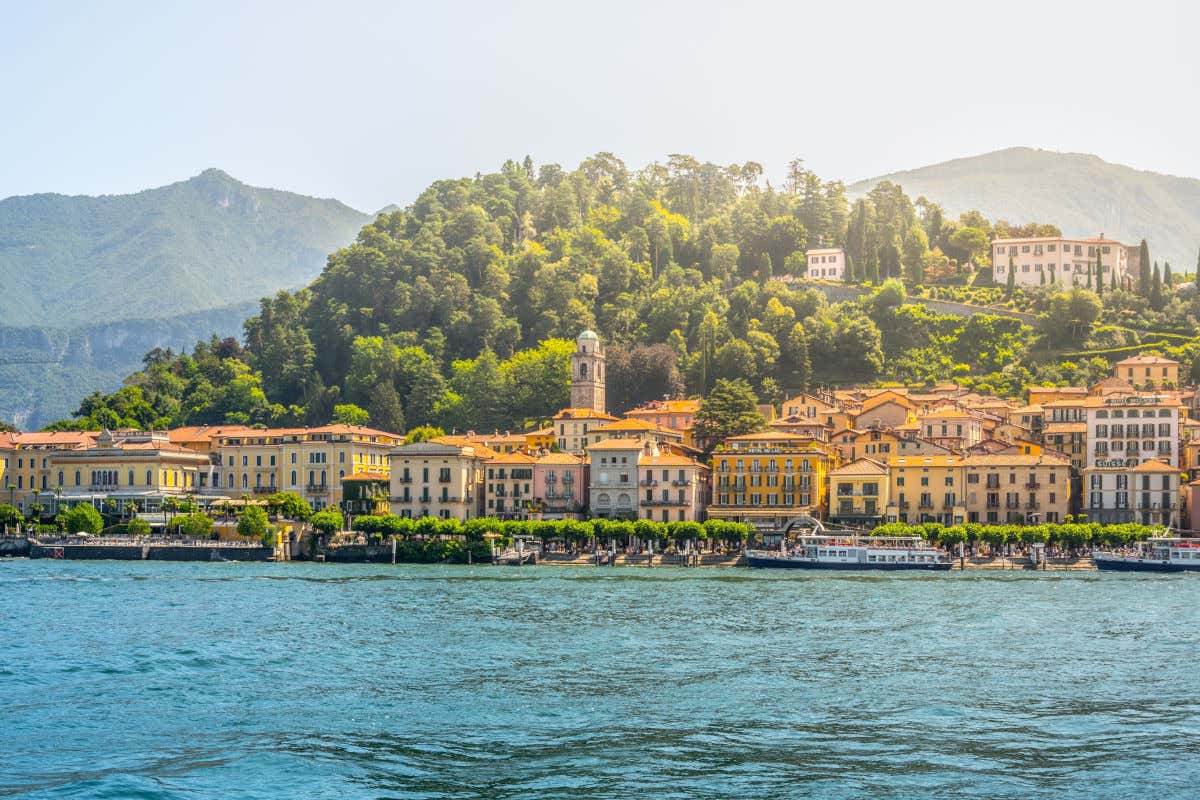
(404, 479)
(316, 488)
(568, 477)
(1033, 506)
(264, 490)
(925, 504)
(426, 498)
(661, 502)
(648, 482)
(551, 479)
(681, 483)
(401, 500)
(1033, 485)
(443, 478)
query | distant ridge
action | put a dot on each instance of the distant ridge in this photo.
(1081, 193)
(206, 242)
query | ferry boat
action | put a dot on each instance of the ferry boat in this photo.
(849, 551)
(1157, 554)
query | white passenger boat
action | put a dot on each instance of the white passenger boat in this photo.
(848, 551)
(1158, 554)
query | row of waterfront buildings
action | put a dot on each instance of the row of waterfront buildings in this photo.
(1125, 449)
(1031, 261)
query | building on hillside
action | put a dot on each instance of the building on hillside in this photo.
(1148, 372)
(765, 479)
(926, 489)
(1030, 417)
(140, 468)
(560, 486)
(827, 263)
(540, 439)
(878, 444)
(859, 493)
(672, 487)
(913, 445)
(206, 439)
(587, 373)
(1191, 460)
(510, 486)
(806, 427)
(677, 415)
(1125, 430)
(1041, 395)
(1111, 385)
(884, 410)
(1058, 259)
(442, 477)
(1147, 493)
(635, 429)
(506, 442)
(812, 406)
(613, 467)
(366, 493)
(952, 427)
(573, 428)
(1012, 488)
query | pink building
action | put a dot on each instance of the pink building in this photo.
(560, 486)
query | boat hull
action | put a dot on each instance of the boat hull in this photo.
(759, 562)
(1120, 565)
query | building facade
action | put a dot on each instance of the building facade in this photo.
(613, 491)
(765, 479)
(1147, 493)
(1014, 488)
(859, 492)
(926, 489)
(509, 488)
(560, 486)
(442, 477)
(1057, 259)
(827, 263)
(1148, 372)
(672, 488)
(1126, 430)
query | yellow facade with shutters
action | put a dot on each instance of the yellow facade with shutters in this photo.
(766, 479)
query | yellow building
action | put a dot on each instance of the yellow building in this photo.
(874, 443)
(540, 439)
(1011, 488)
(926, 489)
(767, 478)
(573, 428)
(141, 469)
(672, 487)
(442, 477)
(676, 415)
(1040, 395)
(1148, 372)
(25, 462)
(859, 492)
(311, 462)
(636, 429)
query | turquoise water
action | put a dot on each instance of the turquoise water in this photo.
(159, 680)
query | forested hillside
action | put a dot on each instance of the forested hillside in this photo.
(1082, 194)
(458, 310)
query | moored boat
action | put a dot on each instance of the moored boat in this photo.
(852, 552)
(1158, 554)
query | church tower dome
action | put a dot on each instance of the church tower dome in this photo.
(587, 372)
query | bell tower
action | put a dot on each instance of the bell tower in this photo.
(587, 372)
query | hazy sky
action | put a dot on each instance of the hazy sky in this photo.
(370, 101)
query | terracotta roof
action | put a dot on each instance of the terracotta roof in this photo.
(272, 432)
(618, 444)
(204, 433)
(1065, 427)
(626, 425)
(667, 407)
(512, 458)
(366, 476)
(948, 412)
(1012, 460)
(861, 466)
(1155, 465)
(47, 438)
(583, 413)
(1145, 360)
(562, 458)
(1059, 389)
(667, 460)
(541, 432)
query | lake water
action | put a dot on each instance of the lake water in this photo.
(159, 680)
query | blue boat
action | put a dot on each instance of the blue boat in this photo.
(1160, 554)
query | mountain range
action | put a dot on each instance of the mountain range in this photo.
(91, 283)
(1082, 194)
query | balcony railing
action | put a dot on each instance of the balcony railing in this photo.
(264, 489)
(1033, 485)
(316, 488)
(404, 479)
(401, 499)
(648, 482)
(681, 483)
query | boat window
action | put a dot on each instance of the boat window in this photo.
(870, 558)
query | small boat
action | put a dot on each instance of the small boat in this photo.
(1157, 554)
(853, 552)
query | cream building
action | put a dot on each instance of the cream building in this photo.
(1056, 259)
(926, 489)
(1126, 430)
(673, 488)
(859, 492)
(574, 428)
(826, 263)
(1147, 493)
(1147, 371)
(509, 491)
(443, 477)
(614, 478)
(1012, 488)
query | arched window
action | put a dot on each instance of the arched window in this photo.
(583, 370)
(60, 478)
(45, 478)
(149, 478)
(324, 479)
(78, 478)
(603, 500)
(245, 481)
(293, 479)
(231, 480)
(130, 477)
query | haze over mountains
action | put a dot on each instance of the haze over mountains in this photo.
(91, 283)
(1081, 194)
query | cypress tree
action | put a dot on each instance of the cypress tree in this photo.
(1168, 279)
(1112, 282)
(851, 276)
(1042, 278)
(1144, 269)
(1089, 274)
(1198, 270)
(1156, 292)
(1099, 270)
(1012, 278)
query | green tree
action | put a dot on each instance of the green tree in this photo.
(730, 409)
(1157, 301)
(137, 527)
(252, 523)
(1143, 287)
(10, 515)
(82, 519)
(349, 414)
(194, 526)
(423, 434)
(289, 505)
(328, 520)
(1011, 283)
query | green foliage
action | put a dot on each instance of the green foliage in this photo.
(349, 414)
(730, 409)
(194, 526)
(81, 519)
(328, 520)
(289, 505)
(252, 523)
(10, 515)
(137, 527)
